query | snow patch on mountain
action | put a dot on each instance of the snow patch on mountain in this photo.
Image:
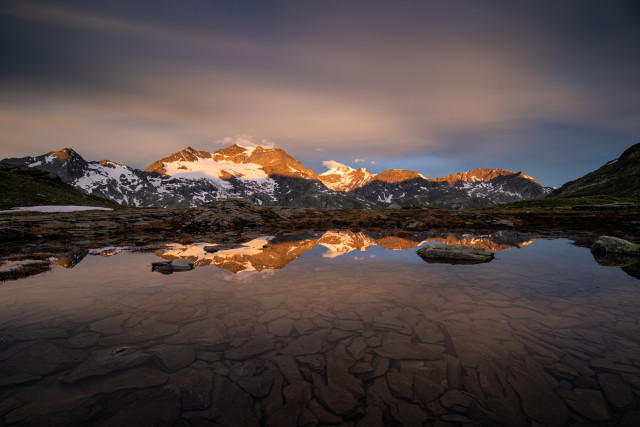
(208, 168)
(56, 208)
(98, 174)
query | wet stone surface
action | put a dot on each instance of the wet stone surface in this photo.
(339, 341)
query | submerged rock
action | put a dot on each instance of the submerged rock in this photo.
(181, 264)
(257, 345)
(72, 259)
(169, 267)
(613, 259)
(632, 270)
(162, 267)
(106, 361)
(614, 245)
(614, 252)
(454, 254)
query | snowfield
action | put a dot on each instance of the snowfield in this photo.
(58, 209)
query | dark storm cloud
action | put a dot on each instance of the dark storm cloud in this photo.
(470, 83)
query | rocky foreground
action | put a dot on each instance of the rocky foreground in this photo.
(355, 347)
(234, 220)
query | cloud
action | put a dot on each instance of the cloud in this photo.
(246, 141)
(265, 143)
(129, 82)
(372, 162)
(331, 164)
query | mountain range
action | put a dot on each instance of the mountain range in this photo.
(270, 176)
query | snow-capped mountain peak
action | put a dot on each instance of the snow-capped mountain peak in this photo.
(341, 177)
(235, 161)
(336, 168)
(64, 154)
(270, 176)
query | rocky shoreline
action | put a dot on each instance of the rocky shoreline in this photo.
(30, 239)
(235, 220)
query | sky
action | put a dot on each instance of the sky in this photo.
(550, 88)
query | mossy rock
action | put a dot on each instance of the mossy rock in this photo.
(615, 245)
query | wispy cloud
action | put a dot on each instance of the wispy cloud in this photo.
(331, 164)
(245, 141)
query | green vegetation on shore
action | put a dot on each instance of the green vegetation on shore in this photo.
(589, 202)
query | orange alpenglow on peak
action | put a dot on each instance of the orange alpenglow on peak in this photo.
(344, 178)
(481, 174)
(397, 175)
(260, 163)
(235, 160)
(109, 163)
(231, 151)
(65, 153)
(189, 154)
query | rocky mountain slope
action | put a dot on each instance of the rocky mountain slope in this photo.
(619, 178)
(120, 183)
(418, 191)
(476, 188)
(24, 186)
(169, 183)
(270, 176)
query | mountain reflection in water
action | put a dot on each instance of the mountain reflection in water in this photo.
(274, 253)
(543, 336)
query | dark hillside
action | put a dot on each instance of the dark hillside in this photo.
(617, 178)
(24, 186)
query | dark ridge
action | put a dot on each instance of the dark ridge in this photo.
(25, 186)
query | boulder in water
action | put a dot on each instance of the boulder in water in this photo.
(181, 264)
(608, 244)
(169, 267)
(454, 254)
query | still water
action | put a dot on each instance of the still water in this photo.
(332, 329)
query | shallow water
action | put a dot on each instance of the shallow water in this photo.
(327, 329)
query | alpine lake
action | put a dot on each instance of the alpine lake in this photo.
(333, 328)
